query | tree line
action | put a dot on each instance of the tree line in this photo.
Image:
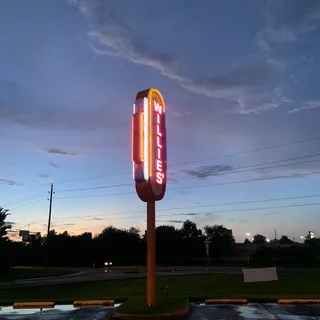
(174, 246)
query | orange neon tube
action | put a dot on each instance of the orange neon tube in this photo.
(141, 153)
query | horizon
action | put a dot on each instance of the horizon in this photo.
(242, 108)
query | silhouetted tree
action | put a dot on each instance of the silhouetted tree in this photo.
(189, 230)
(222, 240)
(168, 244)
(259, 239)
(192, 247)
(5, 263)
(247, 241)
(4, 227)
(285, 240)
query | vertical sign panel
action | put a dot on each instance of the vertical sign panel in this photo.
(149, 145)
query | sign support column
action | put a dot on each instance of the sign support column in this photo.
(149, 159)
(151, 253)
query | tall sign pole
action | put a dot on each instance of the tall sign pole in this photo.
(149, 158)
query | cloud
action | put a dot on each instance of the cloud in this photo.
(247, 86)
(10, 182)
(307, 105)
(181, 114)
(61, 152)
(43, 176)
(99, 219)
(208, 171)
(171, 221)
(117, 39)
(175, 221)
(286, 20)
(52, 164)
(172, 180)
(9, 223)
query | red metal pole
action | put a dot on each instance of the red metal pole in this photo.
(151, 253)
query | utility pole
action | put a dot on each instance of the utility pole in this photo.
(275, 234)
(48, 231)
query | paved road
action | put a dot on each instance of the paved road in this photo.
(85, 275)
(92, 274)
(220, 312)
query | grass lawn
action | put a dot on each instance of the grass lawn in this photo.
(293, 285)
(166, 304)
(30, 272)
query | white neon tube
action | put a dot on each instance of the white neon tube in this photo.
(146, 138)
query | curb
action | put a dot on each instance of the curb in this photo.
(93, 303)
(298, 301)
(33, 305)
(226, 301)
(164, 316)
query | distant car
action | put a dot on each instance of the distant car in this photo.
(101, 264)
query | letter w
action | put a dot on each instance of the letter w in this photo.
(157, 107)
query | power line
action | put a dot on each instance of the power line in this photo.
(95, 188)
(26, 199)
(252, 150)
(202, 206)
(22, 192)
(210, 213)
(220, 174)
(247, 168)
(206, 159)
(29, 204)
(190, 162)
(94, 177)
(209, 185)
(263, 168)
(247, 181)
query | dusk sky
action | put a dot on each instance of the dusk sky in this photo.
(241, 84)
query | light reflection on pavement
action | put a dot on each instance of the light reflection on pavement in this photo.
(253, 311)
(58, 313)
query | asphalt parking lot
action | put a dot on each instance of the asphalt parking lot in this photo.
(252, 311)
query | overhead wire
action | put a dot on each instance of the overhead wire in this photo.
(295, 175)
(205, 159)
(195, 206)
(209, 213)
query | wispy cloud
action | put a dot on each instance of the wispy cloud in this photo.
(61, 152)
(208, 171)
(307, 105)
(10, 182)
(54, 165)
(286, 20)
(171, 221)
(242, 85)
(43, 176)
(186, 214)
(9, 223)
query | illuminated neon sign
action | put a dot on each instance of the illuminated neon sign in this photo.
(149, 149)
(159, 147)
